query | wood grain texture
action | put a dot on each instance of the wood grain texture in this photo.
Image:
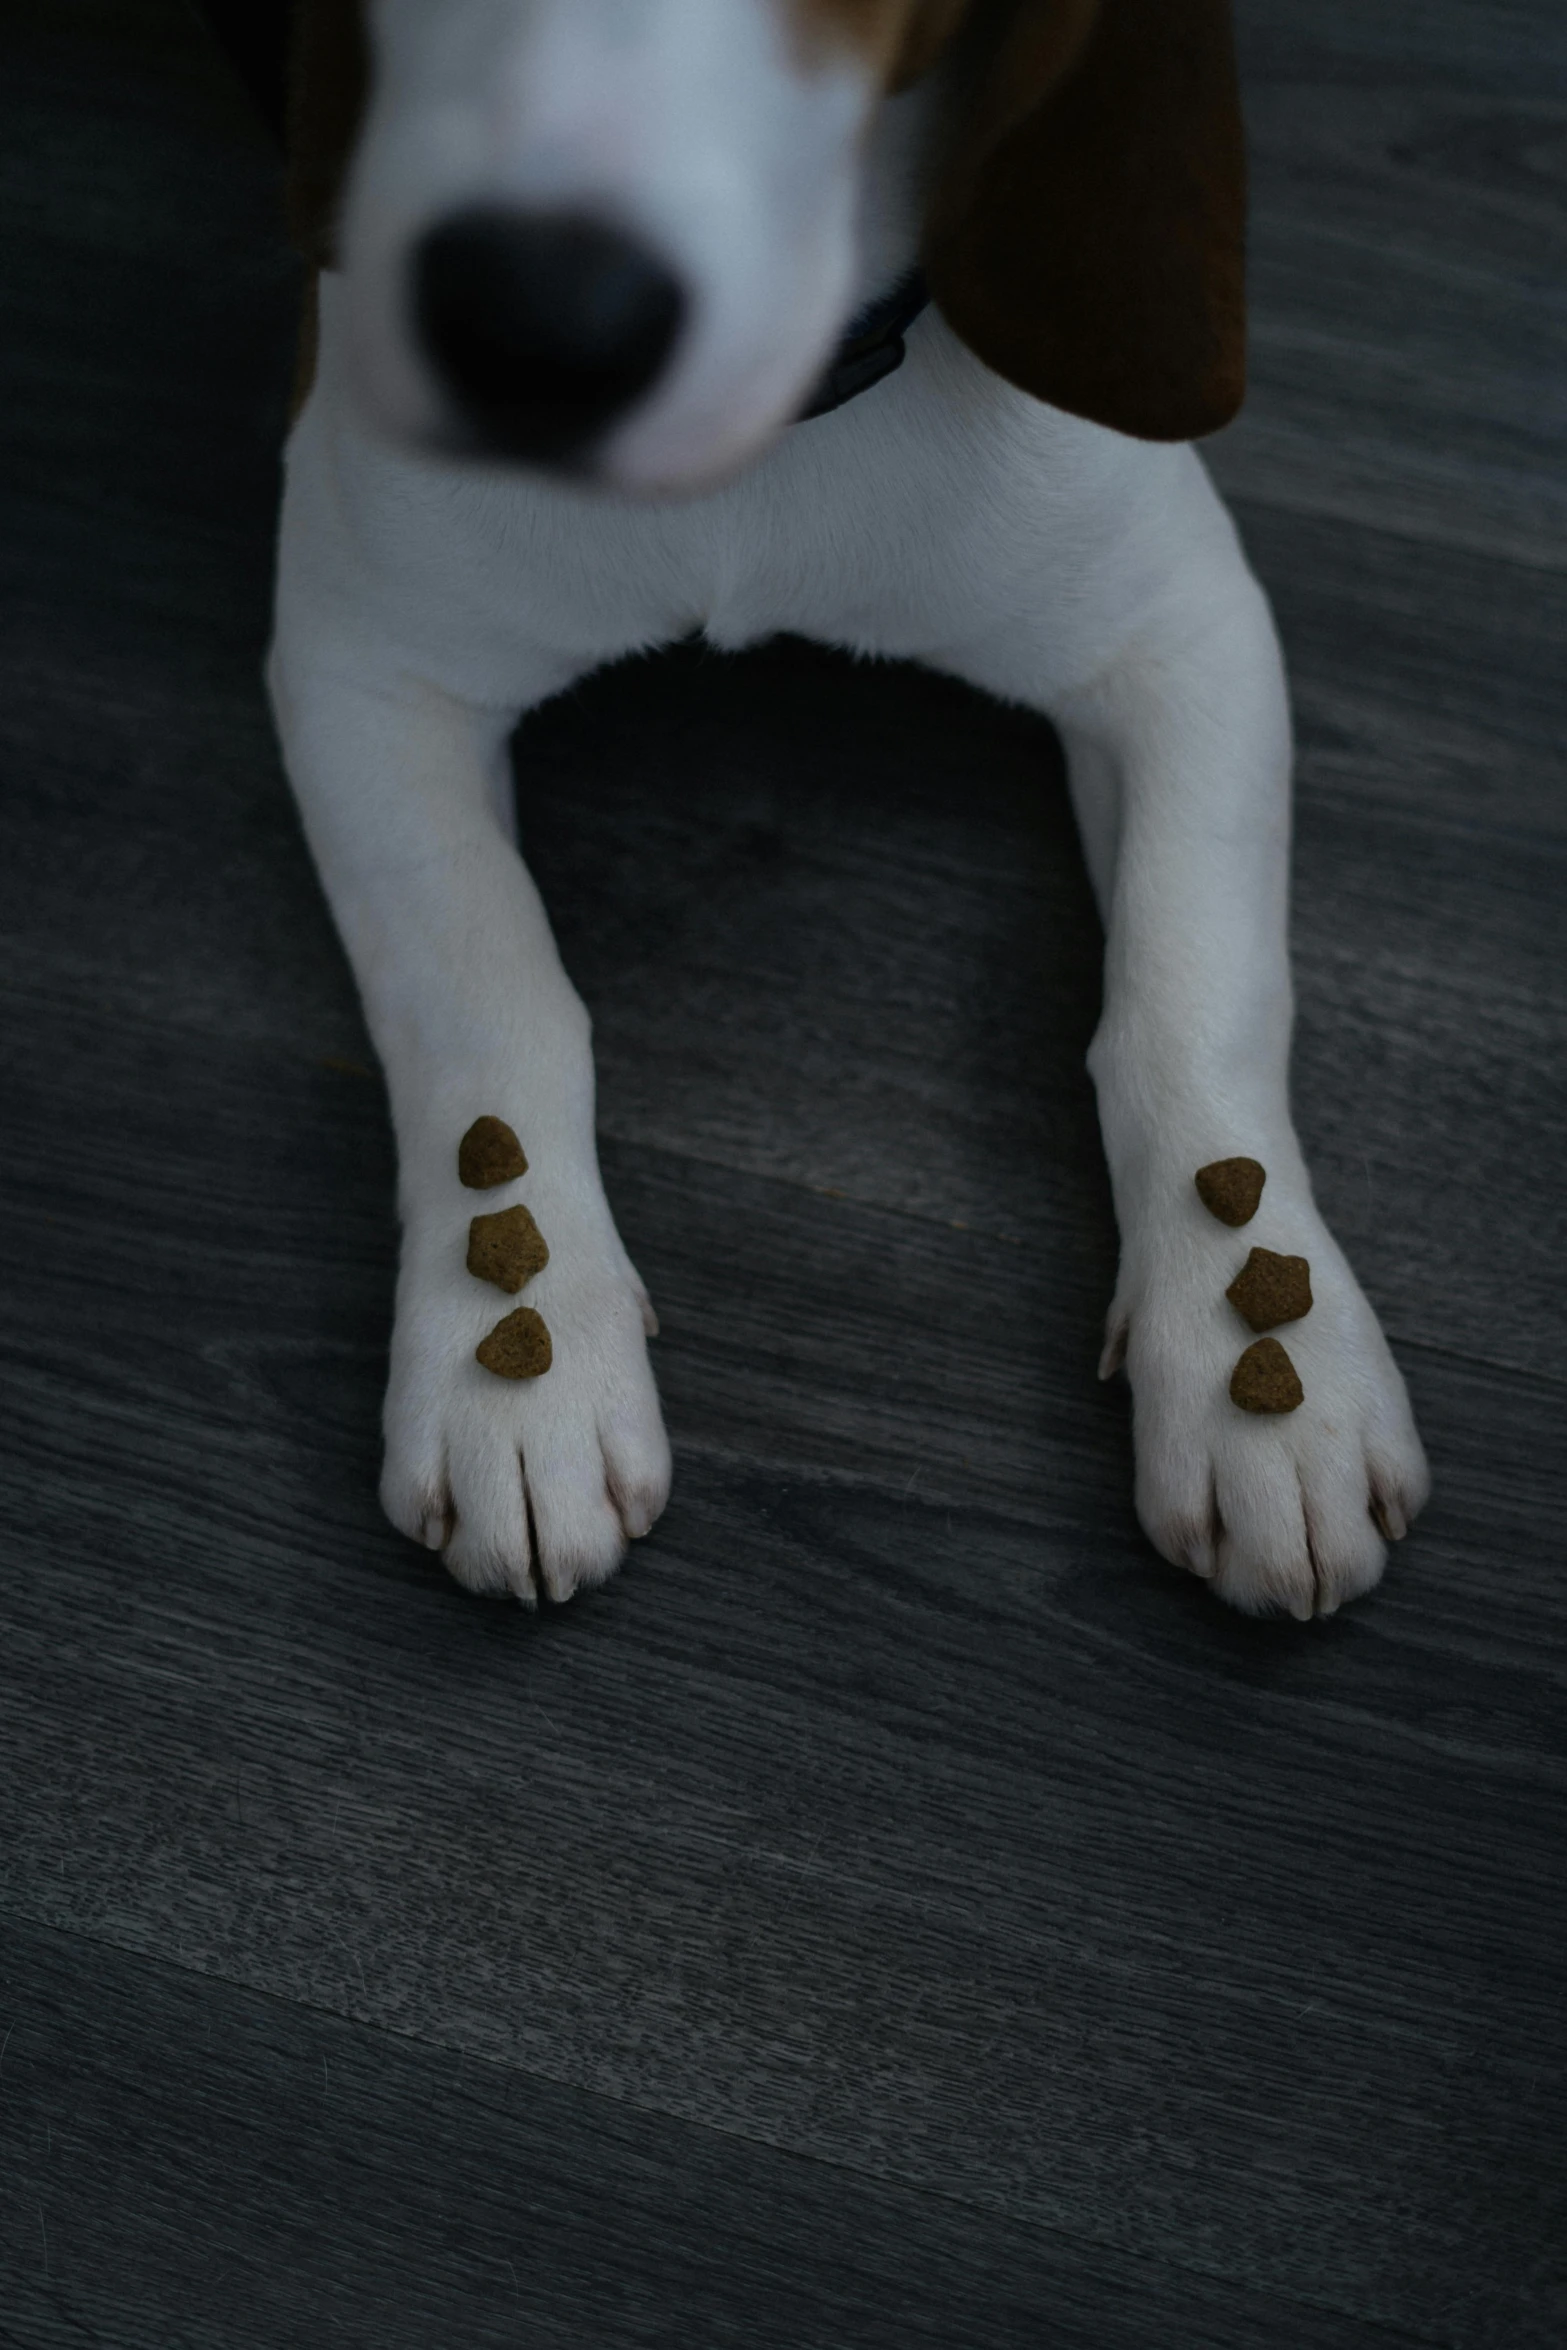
(430, 2196)
(900, 1910)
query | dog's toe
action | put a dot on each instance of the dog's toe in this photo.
(580, 1539)
(488, 1548)
(1399, 1479)
(637, 1468)
(1299, 1538)
(1264, 1555)
(1346, 1549)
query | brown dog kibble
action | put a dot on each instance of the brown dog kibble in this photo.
(507, 1249)
(519, 1347)
(1271, 1289)
(1265, 1380)
(1230, 1189)
(489, 1153)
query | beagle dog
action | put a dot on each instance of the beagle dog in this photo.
(610, 303)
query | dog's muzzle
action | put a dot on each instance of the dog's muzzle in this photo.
(542, 328)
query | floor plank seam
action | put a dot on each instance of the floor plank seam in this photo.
(1076, 2240)
(1531, 1374)
(832, 1476)
(640, 1147)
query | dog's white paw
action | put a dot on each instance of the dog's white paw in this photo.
(1284, 1512)
(533, 1483)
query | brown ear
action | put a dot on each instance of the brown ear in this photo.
(1086, 238)
(328, 88)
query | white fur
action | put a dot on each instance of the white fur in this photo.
(424, 605)
(686, 121)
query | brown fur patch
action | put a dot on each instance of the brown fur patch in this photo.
(1086, 238)
(328, 90)
(898, 39)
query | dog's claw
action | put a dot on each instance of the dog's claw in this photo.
(1389, 1519)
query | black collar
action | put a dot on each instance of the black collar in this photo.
(872, 346)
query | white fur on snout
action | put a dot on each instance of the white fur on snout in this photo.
(695, 126)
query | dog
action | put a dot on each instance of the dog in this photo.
(610, 303)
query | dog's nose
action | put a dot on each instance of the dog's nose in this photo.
(542, 327)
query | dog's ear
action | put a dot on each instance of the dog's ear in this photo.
(306, 64)
(254, 36)
(328, 90)
(1086, 235)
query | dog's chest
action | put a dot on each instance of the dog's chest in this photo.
(888, 527)
(486, 566)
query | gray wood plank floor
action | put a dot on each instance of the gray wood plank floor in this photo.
(900, 1911)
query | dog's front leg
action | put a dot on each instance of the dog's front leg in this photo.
(1179, 753)
(519, 1481)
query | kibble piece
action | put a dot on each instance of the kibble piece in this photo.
(519, 1347)
(1271, 1289)
(489, 1153)
(1265, 1380)
(1230, 1189)
(507, 1249)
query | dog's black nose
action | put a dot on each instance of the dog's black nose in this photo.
(543, 327)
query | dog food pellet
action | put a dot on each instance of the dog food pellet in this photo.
(1230, 1189)
(1264, 1380)
(509, 1249)
(519, 1347)
(489, 1153)
(1271, 1289)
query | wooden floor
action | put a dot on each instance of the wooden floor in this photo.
(900, 1912)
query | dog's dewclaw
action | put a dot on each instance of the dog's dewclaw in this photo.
(509, 1249)
(1230, 1189)
(1264, 1380)
(489, 1153)
(519, 1347)
(1267, 1290)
